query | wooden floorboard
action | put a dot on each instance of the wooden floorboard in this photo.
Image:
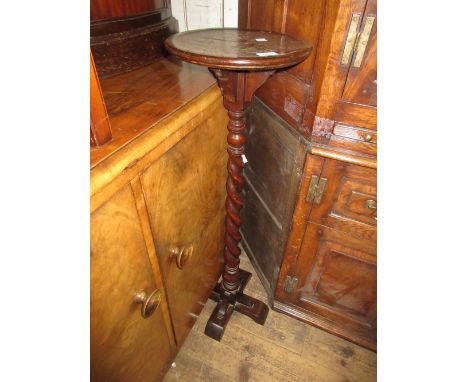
(284, 349)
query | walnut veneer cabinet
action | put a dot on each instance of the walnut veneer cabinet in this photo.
(311, 197)
(157, 212)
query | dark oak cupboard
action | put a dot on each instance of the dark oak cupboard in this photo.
(329, 273)
(311, 200)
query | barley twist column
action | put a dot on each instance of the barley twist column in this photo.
(234, 202)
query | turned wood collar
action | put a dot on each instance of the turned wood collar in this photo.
(231, 48)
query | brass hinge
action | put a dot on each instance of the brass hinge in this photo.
(290, 284)
(351, 38)
(316, 188)
(357, 41)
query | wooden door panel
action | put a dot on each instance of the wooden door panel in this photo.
(337, 279)
(184, 192)
(357, 104)
(124, 346)
(349, 201)
(361, 82)
(342, 282)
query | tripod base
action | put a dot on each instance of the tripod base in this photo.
(230, 301)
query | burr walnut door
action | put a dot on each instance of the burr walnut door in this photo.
(185, 193)
(124, 346)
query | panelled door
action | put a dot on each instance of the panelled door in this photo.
(348, 92)
(184, 192)
(333, 276)
(358, 101)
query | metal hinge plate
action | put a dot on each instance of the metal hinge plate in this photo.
(356, 42)
(290, 284)
(316, 188)
(362, 40)
(351, 38)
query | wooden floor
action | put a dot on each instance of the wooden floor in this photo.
(284, 349)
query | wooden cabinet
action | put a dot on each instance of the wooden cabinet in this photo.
(157, 211)
(331, 276)
(328, 264)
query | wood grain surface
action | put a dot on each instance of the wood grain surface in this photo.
(185, 193)
(238, 49)
(104, 9)
(139, 99)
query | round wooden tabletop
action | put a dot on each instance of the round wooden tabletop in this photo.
(227, 48)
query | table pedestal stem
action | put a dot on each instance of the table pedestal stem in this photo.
(237, 88)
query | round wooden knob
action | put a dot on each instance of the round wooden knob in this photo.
(149, 302)
(182, 256)
(368, 137)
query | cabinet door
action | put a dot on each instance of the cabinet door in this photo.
(357, 103)
(337, 282)
(124, 346)
(185, 193)
(361, 82)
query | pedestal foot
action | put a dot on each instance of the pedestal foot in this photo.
(230, 301)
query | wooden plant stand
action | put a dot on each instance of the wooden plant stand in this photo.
(241, 60)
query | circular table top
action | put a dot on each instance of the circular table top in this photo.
(227, 48)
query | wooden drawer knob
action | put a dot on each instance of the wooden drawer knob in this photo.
(149, 302)
(368, 138)
(182, 256)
